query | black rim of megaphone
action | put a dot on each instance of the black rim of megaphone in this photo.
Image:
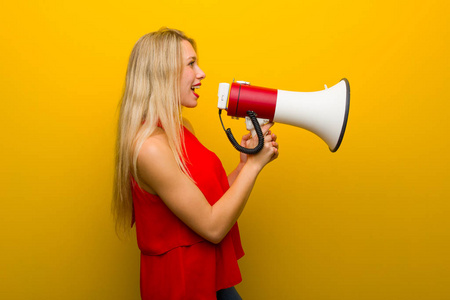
(344, 125)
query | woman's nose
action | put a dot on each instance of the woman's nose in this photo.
(200, 74)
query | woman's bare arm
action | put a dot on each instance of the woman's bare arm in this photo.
(160, 174)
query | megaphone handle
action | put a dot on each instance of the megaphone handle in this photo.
(251, 128)
(259, 133)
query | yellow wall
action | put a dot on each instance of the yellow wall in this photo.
(368, 222)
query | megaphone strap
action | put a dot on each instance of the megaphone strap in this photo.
(258, 130)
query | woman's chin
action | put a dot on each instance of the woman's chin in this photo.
(190, 104)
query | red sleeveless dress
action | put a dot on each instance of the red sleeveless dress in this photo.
(176, 263)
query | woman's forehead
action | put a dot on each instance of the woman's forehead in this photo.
(188, 50)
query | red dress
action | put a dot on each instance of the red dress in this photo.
(176, 263)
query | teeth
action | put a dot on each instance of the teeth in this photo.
(195, 87)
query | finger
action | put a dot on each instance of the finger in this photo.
(268, 133)
(275, 153)
(247, 136)
(275, 156)
(274, 137)
(268, 138)
(265, 128)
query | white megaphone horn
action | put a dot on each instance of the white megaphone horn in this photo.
(324, 113)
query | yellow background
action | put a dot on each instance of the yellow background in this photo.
(370, 221)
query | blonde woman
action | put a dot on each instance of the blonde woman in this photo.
(176, 191)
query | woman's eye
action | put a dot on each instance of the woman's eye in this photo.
(192, 63)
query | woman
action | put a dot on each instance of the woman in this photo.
(174, 189)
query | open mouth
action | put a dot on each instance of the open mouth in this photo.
(194, 87)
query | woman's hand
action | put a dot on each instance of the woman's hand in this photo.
(244, 141)
(268, 153)
(248, 141)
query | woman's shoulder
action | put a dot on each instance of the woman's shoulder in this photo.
(155, 161)
(156, 144)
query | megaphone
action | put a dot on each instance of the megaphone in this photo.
(323, 113)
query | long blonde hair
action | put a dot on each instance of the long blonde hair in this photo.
(151, 99)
